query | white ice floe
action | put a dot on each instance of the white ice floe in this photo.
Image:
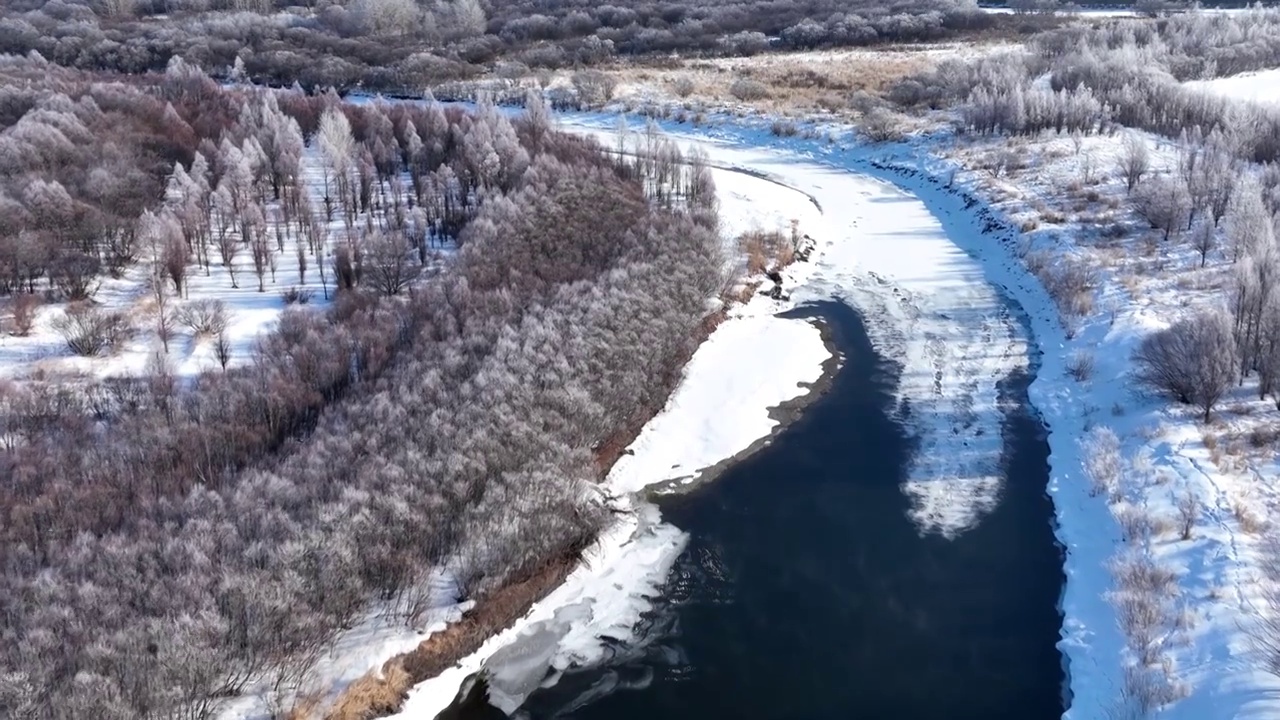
(603, 598)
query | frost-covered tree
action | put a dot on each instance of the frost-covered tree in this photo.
(1134, 160)
(1164, 203)
(337, 147)
(1249, 228)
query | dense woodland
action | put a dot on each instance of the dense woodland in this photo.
(409, 45)
(164, 547)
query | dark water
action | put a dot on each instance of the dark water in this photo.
(806, 592)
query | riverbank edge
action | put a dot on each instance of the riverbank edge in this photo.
(783, 416)
(383, 692)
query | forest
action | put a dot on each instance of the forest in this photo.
(166, 542)
(407, 46)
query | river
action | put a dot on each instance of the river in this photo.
(891, 553)
(806, 591)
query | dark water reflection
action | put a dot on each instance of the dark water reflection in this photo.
(806, 592)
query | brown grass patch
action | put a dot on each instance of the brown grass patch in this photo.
(305, 707)
(767, 250)
(373, 695)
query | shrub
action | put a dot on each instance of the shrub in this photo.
(297, 296)
(24, 313)
(1135, 523)
(1080, 366)
(881, 125)
(747, 90)
(203, 317)
(1070, 283)
(593, 87)
(1194, 361)
(783, 128)
(90, 330)
(1188, 511)
(1102, 462)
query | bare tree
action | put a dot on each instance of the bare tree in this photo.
(222, 349)
(1188, 513)
(25, 306)
(1134, 160)
(301, 252)
(1194, 361)
(339, 150)
(386, 263)
(174, 258)
(261, 251)
(1204, 236)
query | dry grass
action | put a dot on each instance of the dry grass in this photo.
(374, 694)
(1250, 521)
(780, 83)
(743, 293)
(757, 256)
(768, 250)
(306, 707)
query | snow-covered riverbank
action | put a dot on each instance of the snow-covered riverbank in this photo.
(926, 284)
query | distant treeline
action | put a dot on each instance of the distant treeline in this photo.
(377, 44)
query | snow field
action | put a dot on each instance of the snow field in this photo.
(1261, 87)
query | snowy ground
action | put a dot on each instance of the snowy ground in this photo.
(1072, 203)
(1260, 87)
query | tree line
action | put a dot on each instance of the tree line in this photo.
(166, 548)
(402, 44)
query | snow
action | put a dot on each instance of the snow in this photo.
(930, 308)
(926, 250)
(250, 313)
(1261, 87)
(384, 632)
(1104, 13)
(1144, 288)
(880, 249)
(718, 411)
(603, 598)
